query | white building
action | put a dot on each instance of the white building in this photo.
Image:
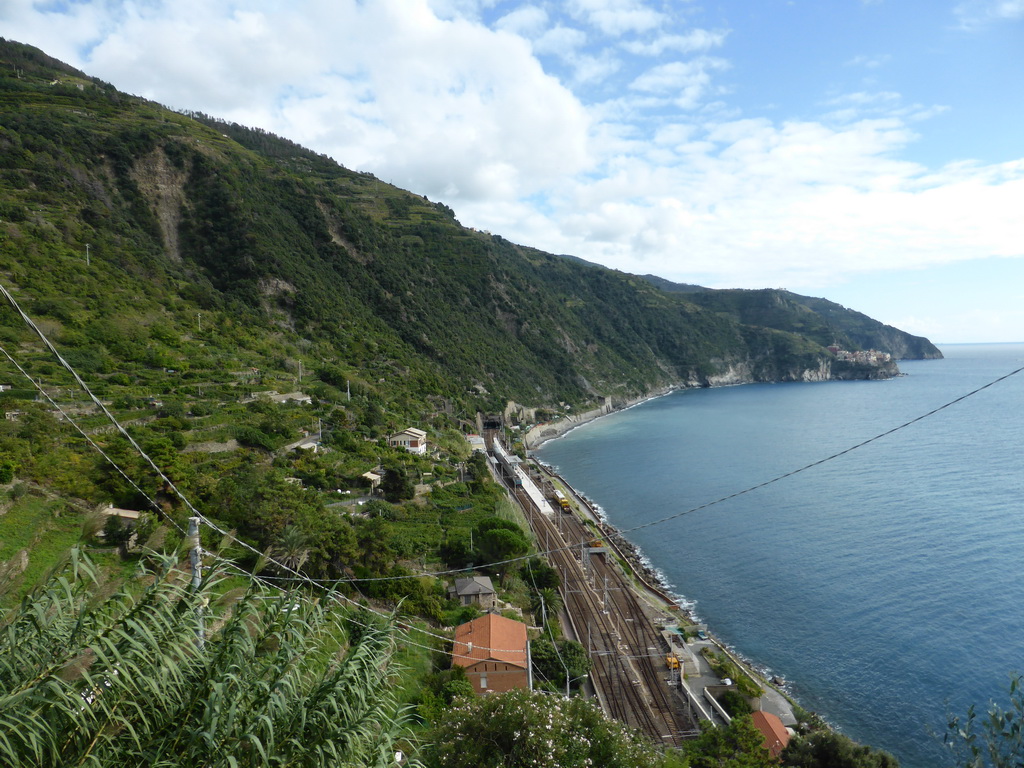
(412, 439)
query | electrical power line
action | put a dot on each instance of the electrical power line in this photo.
(67, 417)
(827, 459)
(321, 583)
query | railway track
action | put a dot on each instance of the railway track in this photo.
(628, 672)
(623, 645)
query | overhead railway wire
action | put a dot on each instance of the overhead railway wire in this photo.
(297, 577)
(722, 499)
(616, 633)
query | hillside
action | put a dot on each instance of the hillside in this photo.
(182, 266)
(260, 319)
(821, 320)
(189, 215)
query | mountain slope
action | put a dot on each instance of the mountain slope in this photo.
(821, 320)
(187, 221)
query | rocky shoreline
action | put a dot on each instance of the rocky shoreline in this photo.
(733, 375)
(673, 607)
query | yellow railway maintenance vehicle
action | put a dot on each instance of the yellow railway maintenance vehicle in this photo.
(562, 502)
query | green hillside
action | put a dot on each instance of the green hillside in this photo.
(181, 265)
(821, 320)
(232, 299)
(182, 214)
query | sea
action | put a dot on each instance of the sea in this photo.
(862, 540)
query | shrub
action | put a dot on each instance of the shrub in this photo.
(522, 728)
(254, 438)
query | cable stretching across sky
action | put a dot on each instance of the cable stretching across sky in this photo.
(322, 583)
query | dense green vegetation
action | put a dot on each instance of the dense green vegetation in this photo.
(186, 216)
(822, 321)
(121, 682)
(260, 319)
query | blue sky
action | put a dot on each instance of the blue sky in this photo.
(867, 151)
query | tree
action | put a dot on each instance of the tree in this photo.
(396, 485)
(292, 548)
(497, 540)
(540, 575)
(374, 539)
(8, 468)
(737, 745)
(260, 505)
(477, 464)
(994, 740)
(115, 532)
(254, 438)
(440, 689)
(553, 660)
(828, 749)
(545, 604)
(735, 703)
(121, 682)
(522, 728)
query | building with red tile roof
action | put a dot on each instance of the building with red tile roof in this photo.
(495, 653)
(776, 737)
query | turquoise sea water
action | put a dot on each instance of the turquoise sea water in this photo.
(886, 585)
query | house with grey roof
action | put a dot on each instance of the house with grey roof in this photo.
(474, 590)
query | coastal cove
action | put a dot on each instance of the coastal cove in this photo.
(885, 585)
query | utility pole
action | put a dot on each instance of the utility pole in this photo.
(199, 319)
(195, 558)
(87, 254)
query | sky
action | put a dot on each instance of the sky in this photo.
(867, 151)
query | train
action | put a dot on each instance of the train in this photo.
(562, 502)
(509, 464)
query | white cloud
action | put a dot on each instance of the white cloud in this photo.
(752, 203)
(863, 98)
(445, 107)
(859, 105)
(696, 40)
(685, 82)
(869, 62)
(593, 69)
(460, 9)
(1009, 9)
(977, 13)
(529, 21)
(569, 46)
(564, 42)
(61, 33)
(616, 17)
(955, 323)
